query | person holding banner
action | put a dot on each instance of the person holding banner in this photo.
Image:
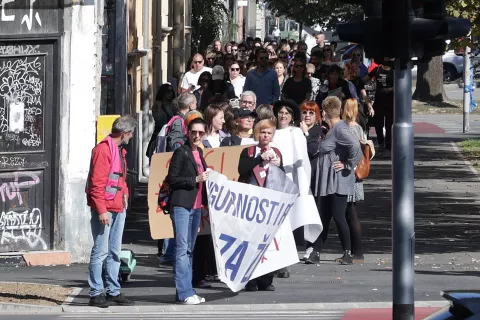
(339, 154)
(253, 169)
(186, 176)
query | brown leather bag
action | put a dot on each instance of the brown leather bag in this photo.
(363, 168)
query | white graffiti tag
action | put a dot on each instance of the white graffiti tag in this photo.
(22, 227)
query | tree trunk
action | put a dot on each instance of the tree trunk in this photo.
(429, 86)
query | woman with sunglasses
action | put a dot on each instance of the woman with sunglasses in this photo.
(210, 59)
(242, 134)
(236, 78)
(186, 176)
(298, 87)
(313, 129)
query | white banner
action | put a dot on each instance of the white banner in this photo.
(244, 221)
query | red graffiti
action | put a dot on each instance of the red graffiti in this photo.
(263, 259)
(277, 247)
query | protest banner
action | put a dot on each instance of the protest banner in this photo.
(244, 221)
(223, 160)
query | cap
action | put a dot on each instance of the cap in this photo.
(218, 73)
(244, 112)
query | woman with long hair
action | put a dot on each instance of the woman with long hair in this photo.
(350, 111)
(214, 121)
(187, 174)
(298, 87)
(203, 81)
(280, 69)
(162, 112)
(236, 78)
(339, 154)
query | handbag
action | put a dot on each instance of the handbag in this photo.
(363, 168)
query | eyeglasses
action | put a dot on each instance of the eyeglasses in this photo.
(247, 102)
(298, 66)
(198, 62)
(263, 58)
(308, 112)
(199, 133)
(234, 69)
(242, 50)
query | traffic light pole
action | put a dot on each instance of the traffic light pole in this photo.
(403, 239)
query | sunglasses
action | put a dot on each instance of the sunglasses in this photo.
(211, 58)
(234, 49)
(298, 66)
(199, 133)
(198, 62)
(307, 112)
(263, 58)
(234, 69)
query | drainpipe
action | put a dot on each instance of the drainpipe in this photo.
(146, 116)
(178, 37)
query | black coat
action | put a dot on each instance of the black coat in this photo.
(233, 140)
(181, 177)
(161, 114)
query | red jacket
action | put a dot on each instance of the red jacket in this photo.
(98, 176)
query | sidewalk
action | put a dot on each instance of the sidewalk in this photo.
(447, 205)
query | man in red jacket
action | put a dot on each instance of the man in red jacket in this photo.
(107, 196)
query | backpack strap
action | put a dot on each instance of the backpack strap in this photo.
(172, 120)
(251, 151)
(277, 152)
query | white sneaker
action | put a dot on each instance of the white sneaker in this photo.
(194, 300)
(307, 253)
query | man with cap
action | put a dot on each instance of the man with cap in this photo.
(218, 86)
(244, 120)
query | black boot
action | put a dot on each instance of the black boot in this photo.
(314, 258)
(346, 259)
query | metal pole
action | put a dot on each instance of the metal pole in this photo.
(145, 89)
(403, 237)
(466, 94)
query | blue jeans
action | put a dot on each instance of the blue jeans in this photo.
(185, 228)
(107, 244)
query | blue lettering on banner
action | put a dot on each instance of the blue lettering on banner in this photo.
(234, 262)
(246, 207)
(261, 249)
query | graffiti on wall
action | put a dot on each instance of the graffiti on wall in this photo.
(21, 103)
(20, 220)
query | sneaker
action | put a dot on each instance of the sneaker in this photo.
(202, 284)
(98, 301)
(308, 252)
(193, 300)
(314, 258)
(120, 300)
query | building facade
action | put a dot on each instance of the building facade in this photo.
(62, 64)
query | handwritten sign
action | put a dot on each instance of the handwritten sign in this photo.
(223, 160)
(29, 16)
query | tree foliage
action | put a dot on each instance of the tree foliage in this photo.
(207, 21)
(326, 13)
(468, 9)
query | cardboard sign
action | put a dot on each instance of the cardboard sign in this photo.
(223, 160)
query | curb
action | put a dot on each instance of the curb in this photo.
(465, 161)
(18, 308)
(246, 308)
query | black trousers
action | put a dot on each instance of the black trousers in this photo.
(203, 261)
(261, 282)
(334, 205)
(383, 107)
